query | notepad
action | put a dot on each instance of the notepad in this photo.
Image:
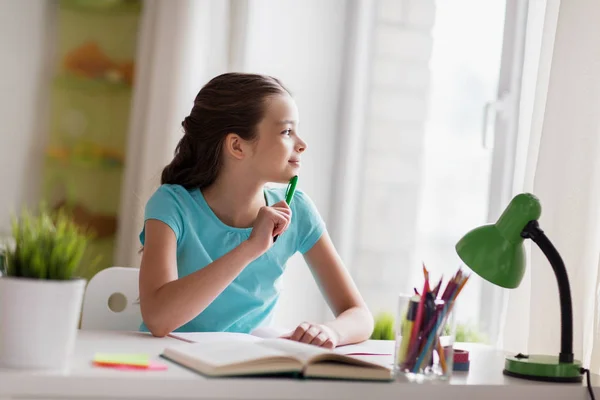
(135, 360)
(127, 362)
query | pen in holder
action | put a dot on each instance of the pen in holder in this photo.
(426, 331)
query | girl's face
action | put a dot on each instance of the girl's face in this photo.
(278, 149)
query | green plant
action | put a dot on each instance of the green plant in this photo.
(46, 246)
(384, 327)
(467, 333)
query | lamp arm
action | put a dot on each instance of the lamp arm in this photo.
(533, 231)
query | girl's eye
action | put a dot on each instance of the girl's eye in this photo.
(287, 132)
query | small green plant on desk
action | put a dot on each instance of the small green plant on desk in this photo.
(40, 282)
(48, 247)
(467, 333)
(385, 330)
(384, 327)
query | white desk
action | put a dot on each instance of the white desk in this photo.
(84, 381)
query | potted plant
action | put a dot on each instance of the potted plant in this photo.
(384, 327)
(40, 293)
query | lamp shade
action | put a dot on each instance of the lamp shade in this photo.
(495, 251)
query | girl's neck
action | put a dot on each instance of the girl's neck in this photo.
(235, 200)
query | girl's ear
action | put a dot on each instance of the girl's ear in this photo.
(235, 146)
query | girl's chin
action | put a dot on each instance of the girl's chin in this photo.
(292, 170)
(286, 175)
(285, 179)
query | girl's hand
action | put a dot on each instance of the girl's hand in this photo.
(270, 222)
(315, 334)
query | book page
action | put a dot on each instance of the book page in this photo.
(302, 351)
(205, 337)
(369, 347)
(365, 354)
(334, 370)
(272, 332)
(312, 355)
(226, 354)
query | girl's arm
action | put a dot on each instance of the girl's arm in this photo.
(353, 322)
(167, 302)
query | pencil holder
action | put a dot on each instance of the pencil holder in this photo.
(425, 334)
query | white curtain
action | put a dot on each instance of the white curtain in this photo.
(352, 116)
(182, 43)
(562, 168)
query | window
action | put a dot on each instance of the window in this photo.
(435, 162)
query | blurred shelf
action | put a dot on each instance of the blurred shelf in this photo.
(102, 6)
(86, 164)
(73, 82)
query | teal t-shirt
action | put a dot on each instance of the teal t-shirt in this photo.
(248, 302)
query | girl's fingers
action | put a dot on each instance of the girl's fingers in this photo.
(284, 211)
(299, 332)
(310, 334)
(320, 339)
(313, 335)
(282, 222)
(280, 225)
(281, 204)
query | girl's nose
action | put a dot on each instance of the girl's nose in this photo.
(300, 146)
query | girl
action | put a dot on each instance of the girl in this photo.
(209, 260)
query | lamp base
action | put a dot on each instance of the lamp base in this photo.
(542, 368)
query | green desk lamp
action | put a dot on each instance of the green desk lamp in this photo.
(496, 253)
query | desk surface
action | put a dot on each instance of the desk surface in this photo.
(84, 381)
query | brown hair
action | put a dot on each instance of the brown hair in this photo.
(229, 103)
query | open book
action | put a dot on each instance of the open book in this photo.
(257, 357)
(369, 347)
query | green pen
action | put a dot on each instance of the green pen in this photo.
(289, 195)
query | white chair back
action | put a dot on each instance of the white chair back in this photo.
(111, 301)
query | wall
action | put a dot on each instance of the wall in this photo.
(302, 43)
(394, 148)
(23, 77)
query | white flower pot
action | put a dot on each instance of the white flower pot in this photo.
(38, 322)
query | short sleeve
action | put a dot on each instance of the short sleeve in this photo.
(310, 223)
(164, 206)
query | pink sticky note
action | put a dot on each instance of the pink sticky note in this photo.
(153, 366)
